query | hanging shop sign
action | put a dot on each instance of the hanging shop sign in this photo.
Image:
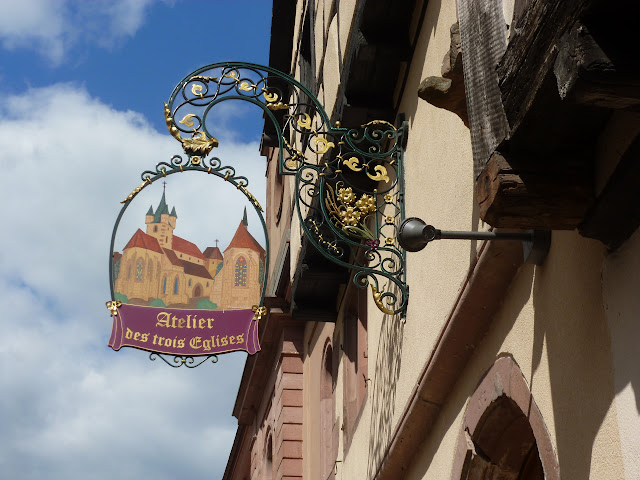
(349, 197)
(185, 333)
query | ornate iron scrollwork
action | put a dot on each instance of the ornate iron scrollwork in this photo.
(349, 182)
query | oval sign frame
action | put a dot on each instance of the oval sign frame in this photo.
(229, 321)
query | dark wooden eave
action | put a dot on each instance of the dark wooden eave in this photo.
(379, 48)
(567, 66)
(316, 285)
(280, 51)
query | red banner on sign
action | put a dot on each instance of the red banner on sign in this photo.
(184, 332)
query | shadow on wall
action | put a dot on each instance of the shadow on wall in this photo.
(383, 388)
(569, 317)
(486, 354)
(621, 280)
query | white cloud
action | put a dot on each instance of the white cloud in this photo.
(53, 27)
(72, 408)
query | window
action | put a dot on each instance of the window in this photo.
(268, 456)
(155, 229)
(189, 282)
(139, 270)
(503, 433)
(240, 279)
(150, 269)
(175, 286)
(328, 430)
(164, 285)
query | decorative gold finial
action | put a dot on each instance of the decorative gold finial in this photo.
(259, 312)
(113, 307)
(377, 298)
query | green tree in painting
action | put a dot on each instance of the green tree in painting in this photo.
(116, 269)
(157, 302)
(120, 296)
(206, 304)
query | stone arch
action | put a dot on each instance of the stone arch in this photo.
(503, 433)
(197, 290)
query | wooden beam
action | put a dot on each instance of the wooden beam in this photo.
(531, 53)
(546, 194)
(616, 213)
(588, 76)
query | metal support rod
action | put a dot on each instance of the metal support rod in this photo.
(521, 236)
(414, 234)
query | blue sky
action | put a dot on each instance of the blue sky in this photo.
(135, 67)
(81, 90)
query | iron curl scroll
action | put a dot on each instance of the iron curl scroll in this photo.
(179, 361)
(349, 183)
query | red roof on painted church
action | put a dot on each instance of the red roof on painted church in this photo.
(243, 239)
(184, 246)
(213, 253)
(196, 270)
(142, 240)
(173, 258)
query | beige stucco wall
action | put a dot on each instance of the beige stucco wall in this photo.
(439, 189)
(621, 284)
(554, 325)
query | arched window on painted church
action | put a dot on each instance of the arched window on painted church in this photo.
(240, 278)
(175, 285)
(164, 285)
(150, 269)
(139, 270)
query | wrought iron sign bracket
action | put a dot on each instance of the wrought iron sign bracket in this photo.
(349, 183)
(349, 189)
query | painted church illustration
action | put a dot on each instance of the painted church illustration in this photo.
(160, 269)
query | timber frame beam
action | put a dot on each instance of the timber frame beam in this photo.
(567, 66)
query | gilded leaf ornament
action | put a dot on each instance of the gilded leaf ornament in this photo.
(322, 145)
(305, 121)
(377, 298)
(246, 86)
(196, 89)
(353, 163)
(380, 175)
(277, 106)
(186, 121)
(271, 97)
(173, 130)
(199, 144)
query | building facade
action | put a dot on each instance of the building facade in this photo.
(521, 115)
